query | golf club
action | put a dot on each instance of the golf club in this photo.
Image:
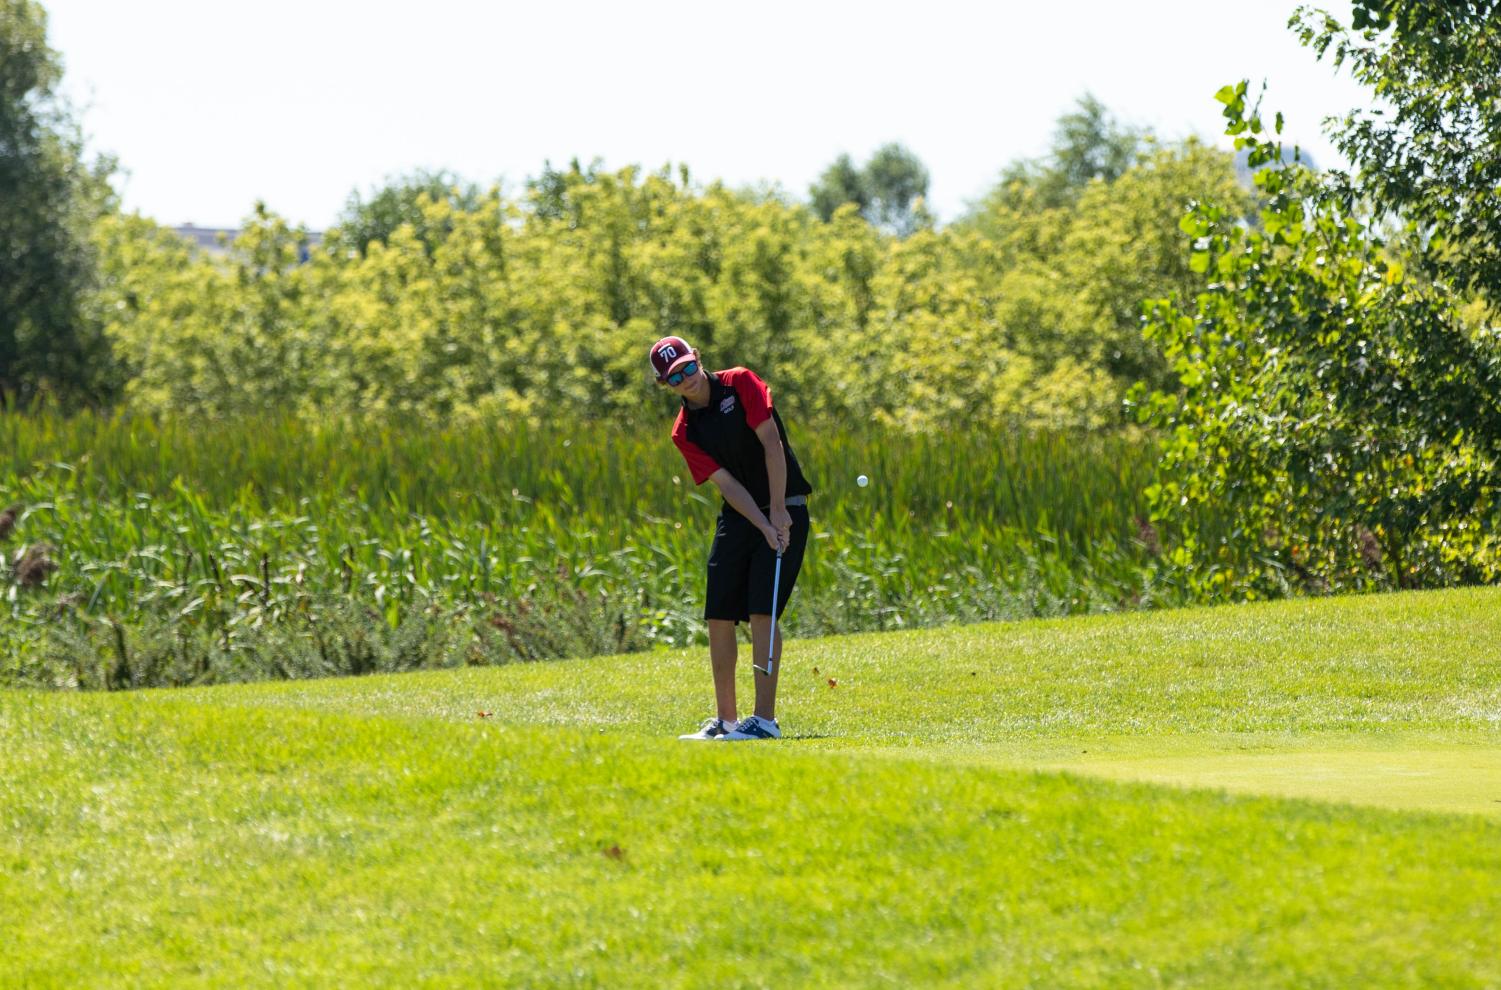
(771, 645)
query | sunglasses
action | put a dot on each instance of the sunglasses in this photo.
(687, 371)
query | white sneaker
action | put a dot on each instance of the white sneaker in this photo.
(754, 727)
(713, 728)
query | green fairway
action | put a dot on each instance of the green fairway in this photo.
(1416, 771)
(977, 806)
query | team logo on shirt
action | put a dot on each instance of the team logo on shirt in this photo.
(727, 404)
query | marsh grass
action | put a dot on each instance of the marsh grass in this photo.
(197, 553)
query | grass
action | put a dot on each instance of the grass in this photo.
(935, 819)
(213, 552)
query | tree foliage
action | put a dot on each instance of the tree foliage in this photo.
(1089, 143)
(1341, 375)
(399, 202)
(888, 191)
(1430, 155)
(496, 307)
(842, 182)
(519, 308)
(898, 183)
(49, 198)
(1077, 267)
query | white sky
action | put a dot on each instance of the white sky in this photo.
(211, 105)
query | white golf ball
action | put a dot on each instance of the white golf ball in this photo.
(862, 481)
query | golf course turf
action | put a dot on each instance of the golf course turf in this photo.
(1303, 793)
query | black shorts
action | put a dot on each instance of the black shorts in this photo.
(742, 566)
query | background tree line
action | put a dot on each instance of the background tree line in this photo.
(437, 297)
(474, 304)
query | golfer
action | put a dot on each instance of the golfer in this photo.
(729, 434)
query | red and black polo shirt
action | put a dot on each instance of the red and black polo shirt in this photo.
(723, 435)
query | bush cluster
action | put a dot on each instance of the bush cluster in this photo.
(487, 306)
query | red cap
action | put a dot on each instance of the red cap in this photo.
(668, 353)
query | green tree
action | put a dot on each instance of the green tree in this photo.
(49, 198)
(898, 183)
(205, 336)
(1430, 158)
(1124, 246)
(1075, 268)
(1089, 143)
(840, 183)
(1341, 391)
(888, 191)
(548, 193)
(399, 202)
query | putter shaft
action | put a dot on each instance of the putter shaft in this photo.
(771, 645)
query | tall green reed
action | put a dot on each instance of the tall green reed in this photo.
(187, 550)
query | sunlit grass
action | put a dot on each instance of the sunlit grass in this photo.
(379, 831)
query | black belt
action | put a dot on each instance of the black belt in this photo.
(794, 500)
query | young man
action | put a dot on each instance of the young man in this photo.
(729, 434)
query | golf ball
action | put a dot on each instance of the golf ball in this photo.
(862, 481)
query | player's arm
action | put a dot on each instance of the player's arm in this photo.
(755, 399)
(741, 501)
(776, 464)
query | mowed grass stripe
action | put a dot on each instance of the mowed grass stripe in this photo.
(1404, 663)
(1402, 773)
(1454, 773)
(156, 842)
(1352, 699)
